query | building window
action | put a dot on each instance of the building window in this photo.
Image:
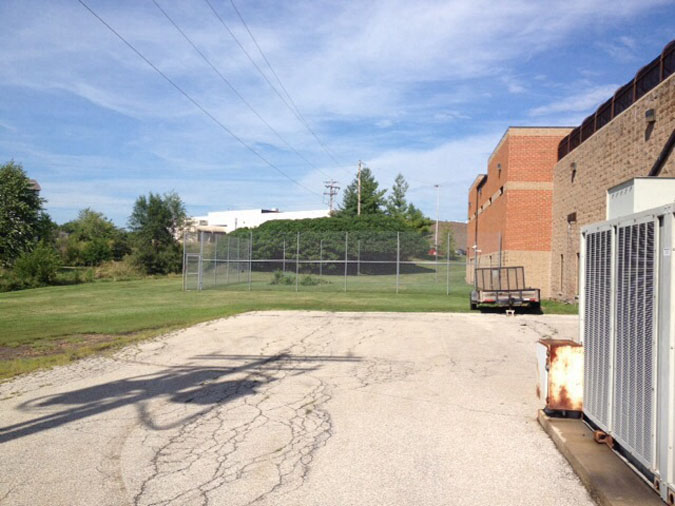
(501, 190)
(499, 170)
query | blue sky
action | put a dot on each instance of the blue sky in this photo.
(424, 88)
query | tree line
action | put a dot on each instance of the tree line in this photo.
(34, 250)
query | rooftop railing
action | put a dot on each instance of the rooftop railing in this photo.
(648, 77)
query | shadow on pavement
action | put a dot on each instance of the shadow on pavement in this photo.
(183, 384)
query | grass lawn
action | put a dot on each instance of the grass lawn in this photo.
(54, 325)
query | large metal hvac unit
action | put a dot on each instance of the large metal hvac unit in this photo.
(627, 294)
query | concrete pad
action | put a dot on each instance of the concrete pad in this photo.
(607, 477)
(294, 408)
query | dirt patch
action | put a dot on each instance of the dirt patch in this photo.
(63, 346)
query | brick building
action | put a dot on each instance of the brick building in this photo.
(510, 206)
(630, 135)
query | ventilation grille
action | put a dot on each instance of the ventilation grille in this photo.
(597, 358)
(633, 396)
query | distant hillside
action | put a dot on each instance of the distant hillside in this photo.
(458, 230)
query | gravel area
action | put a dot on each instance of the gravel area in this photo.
(294, 408)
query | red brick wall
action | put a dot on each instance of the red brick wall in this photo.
(533, 157)
(529, 220)
(515, 203)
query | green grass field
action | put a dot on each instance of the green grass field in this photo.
(53, 325)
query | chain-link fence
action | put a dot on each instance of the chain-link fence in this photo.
(321, 261)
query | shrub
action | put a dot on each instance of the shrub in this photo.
(122, 270)
(310, 281)
(282, 279)
(378, 231)
(96, 251)
(10, 282)
(38, 267)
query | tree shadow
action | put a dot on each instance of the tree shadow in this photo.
(203, 386)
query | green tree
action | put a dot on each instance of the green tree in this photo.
(22, 218)
(155, 223)
(92, 239)
(89, 225)
(372, 199)
(396, 202)
(416, 219)
(39, 266)
(399, 207)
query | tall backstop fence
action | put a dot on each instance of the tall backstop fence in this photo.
(321, 261)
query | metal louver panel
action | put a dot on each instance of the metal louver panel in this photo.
(597, 331)
(634, 393)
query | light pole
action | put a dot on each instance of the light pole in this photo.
(438, 200)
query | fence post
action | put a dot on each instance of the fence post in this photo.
(215, 259)
(436, 261)
(447, 268)
(184, 257)
(321, 258)
(297, 262)
(238, 259)
(398, 259)
(250, 258)
(346, 249)
(358, 257)
(283, 261)
(227, 270)
(201, 260)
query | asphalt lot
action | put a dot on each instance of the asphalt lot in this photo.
(294, 408)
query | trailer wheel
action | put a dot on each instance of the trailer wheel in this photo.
(474, 306)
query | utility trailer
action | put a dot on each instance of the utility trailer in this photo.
(503, 287)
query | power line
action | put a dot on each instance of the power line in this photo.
(269, 65)
(234, 90)
(194, 102)
(271, 85)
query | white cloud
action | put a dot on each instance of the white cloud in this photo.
(384, 123)
(453, 164)
(379, 80)
(584, 102)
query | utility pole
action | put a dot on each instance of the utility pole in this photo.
(358, 205)
(332, 188)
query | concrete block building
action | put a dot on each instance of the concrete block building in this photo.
(229, 221)
(630, 135)
(510, 206)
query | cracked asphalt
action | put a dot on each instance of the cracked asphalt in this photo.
(294, 408)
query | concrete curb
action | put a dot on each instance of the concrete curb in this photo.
(609, 480)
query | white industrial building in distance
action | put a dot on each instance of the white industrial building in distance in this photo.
(229, 221)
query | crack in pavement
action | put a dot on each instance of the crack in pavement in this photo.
(266, 436)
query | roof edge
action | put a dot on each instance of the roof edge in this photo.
(530, 130)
